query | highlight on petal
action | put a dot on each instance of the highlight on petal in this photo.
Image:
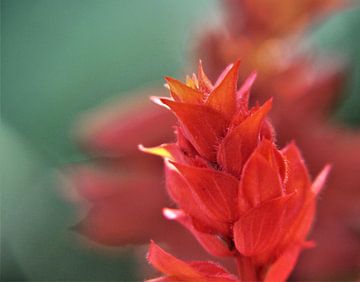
(202, 126)
(215, 191)
(167, 151)
(319, 181)
(183, 93)
(240, 141)
(223, 97)
(260, 229)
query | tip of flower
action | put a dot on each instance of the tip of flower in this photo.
(168, 78)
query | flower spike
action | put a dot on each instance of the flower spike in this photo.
(236, 192)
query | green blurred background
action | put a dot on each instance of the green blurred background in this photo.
(60, 58)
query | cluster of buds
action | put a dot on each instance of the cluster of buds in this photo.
(237, 193)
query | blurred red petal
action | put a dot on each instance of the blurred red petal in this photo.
(171, 266)
(117, 129)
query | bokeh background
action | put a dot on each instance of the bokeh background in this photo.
(62, 58)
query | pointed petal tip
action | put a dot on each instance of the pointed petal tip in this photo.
(159, 101)
(160, 151)
(170, 79)
(320, 180)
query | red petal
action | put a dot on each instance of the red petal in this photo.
(202, 126)
(213, 244)
(183, 143)
(223, 97)
(241, 141)
(170, 265)
(260, 229)
(181, 193)
(281, 269)
(183, 93)
(298, 176)
(260, 179)
(301, 225)
(215, 191)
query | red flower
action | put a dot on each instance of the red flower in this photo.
(237, 193)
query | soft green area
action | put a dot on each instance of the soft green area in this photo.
(62, 57)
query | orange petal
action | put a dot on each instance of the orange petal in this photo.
(202, 126)
(215, 191)
(205, 84)
(240, 141)
(183, 93)
(223, 97)
(260, 229)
